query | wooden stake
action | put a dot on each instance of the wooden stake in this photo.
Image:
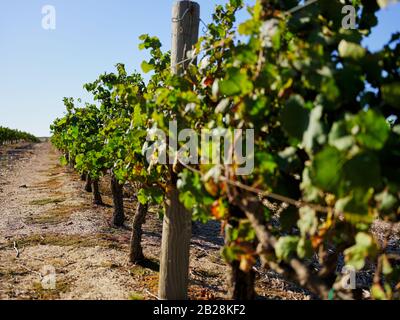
(185, 33)
(175, 246)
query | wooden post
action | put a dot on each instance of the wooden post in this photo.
(185, 33)
(175, 246)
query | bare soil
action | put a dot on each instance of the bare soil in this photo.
(48, 221)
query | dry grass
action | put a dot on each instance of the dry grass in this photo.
(52, 184)
(98, 240)
(43, 202)
(56, 215)
(136, 296)
(207, 273)
(138, 271)
(151, 283)
(12, 273)
(39, 293)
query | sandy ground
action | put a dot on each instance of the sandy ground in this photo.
(48, 227)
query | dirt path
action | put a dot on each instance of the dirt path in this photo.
(53, 224)
(48, 224)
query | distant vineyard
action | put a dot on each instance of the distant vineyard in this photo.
(8, 136)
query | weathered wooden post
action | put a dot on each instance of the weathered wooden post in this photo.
(175, 247)
(185, 33)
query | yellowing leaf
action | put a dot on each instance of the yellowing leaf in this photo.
(351, 50)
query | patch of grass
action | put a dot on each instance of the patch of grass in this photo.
(39, 293)
(145, 268)
(146, 277)
(53, 184)
(136, 296)
(68, 241)
(11, 273)
(207, 273)
(47, 219)
(217, 259)
(139, 271)
(56, 215)
(151, 282)
(43, 202)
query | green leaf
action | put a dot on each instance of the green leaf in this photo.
(187, 199)
(365, 247)
(304, 249)
(286, 246)
(247, 27)
(363, 171)
(339, 136)
(74, 132)
(157, 195)
(63, 161)
(372, 129)
(378, 293)
(138, 118)
(386, 266)
(142, 196)
(147, 67)
(365, 240)
(326, 169)
(308, 222)
(231, 253)
(386, 201)
(391, 94)
(314, 136)
(311, 192)
(236, 82)
(266, 163)
(355, 207)
(294, 117)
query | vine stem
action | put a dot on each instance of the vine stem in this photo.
(264, 193)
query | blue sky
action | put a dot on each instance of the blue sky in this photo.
(39, 67)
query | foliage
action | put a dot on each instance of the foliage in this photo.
(327, 139)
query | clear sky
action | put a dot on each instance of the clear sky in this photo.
(39, 67)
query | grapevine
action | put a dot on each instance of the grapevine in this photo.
(8, 136)
(324, 110)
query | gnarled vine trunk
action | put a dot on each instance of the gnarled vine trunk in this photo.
(136, 251)
(88, 186)
(71, 161)
(241, 284)
(118, 199)
(96, 193)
